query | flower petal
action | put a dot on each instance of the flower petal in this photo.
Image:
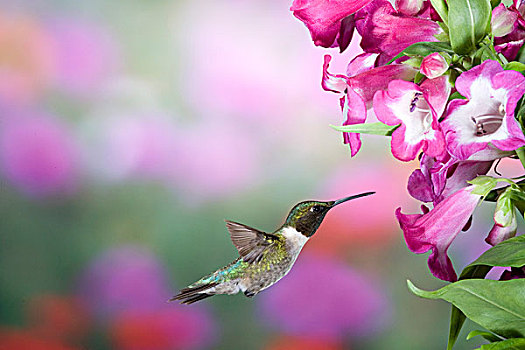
(355, 110)
(500, 233)
(375, 22)
(361, 63)
(420, 187)
(438, 228)
(323, 17)
(406, 103)
(332, 82)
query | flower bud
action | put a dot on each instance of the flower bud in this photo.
(502, 20)
(434, 65)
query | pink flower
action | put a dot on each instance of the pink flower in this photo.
(37, 154)
(436, 229)
(302, 304)
(214, 160)
(376, 21)
(433, 65)
(440, 177)
(139, 145)
(127, 288)
(325, 19)
(358, 90)
(417, 109)
(486, 117)
(125, 278)
(86, 55)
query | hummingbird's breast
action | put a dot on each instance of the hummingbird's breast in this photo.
(276, 263)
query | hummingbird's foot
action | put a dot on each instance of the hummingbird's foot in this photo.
(249, 293)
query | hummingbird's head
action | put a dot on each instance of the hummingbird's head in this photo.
(306, 216)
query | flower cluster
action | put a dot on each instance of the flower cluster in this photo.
(451, 106)
(449, 93)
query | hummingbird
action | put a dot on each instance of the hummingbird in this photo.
(264, 258)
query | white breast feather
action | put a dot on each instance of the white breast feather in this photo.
(295, 240)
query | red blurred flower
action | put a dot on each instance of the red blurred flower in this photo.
(14, 339)
(58, 317)
(169, 328)
(303, 343)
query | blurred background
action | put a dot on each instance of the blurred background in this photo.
(129, 130)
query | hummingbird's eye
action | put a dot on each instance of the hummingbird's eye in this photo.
(316, 208)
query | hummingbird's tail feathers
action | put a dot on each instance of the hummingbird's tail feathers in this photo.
(190, 294)
(196, 298)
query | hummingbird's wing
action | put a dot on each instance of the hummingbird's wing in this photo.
(250, 242)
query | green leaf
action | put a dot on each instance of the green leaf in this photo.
(498, 306)
(487, 335)
(509, 253)
(517, 66)
(424, 49)
(509, 344)
(367, 128)
(483, 185)
(468, 22)
(457, 318)
(441, 8)
(456, 95)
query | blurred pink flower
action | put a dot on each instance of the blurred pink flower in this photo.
(256, 83)
(371, 222)
(37, 154)
(125, 278)
(86, 54)
(215, 160)
(139, 145)
(27, 59)
(322, 298)
(127, 288)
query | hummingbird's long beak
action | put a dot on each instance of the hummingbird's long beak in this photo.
(339, 201)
